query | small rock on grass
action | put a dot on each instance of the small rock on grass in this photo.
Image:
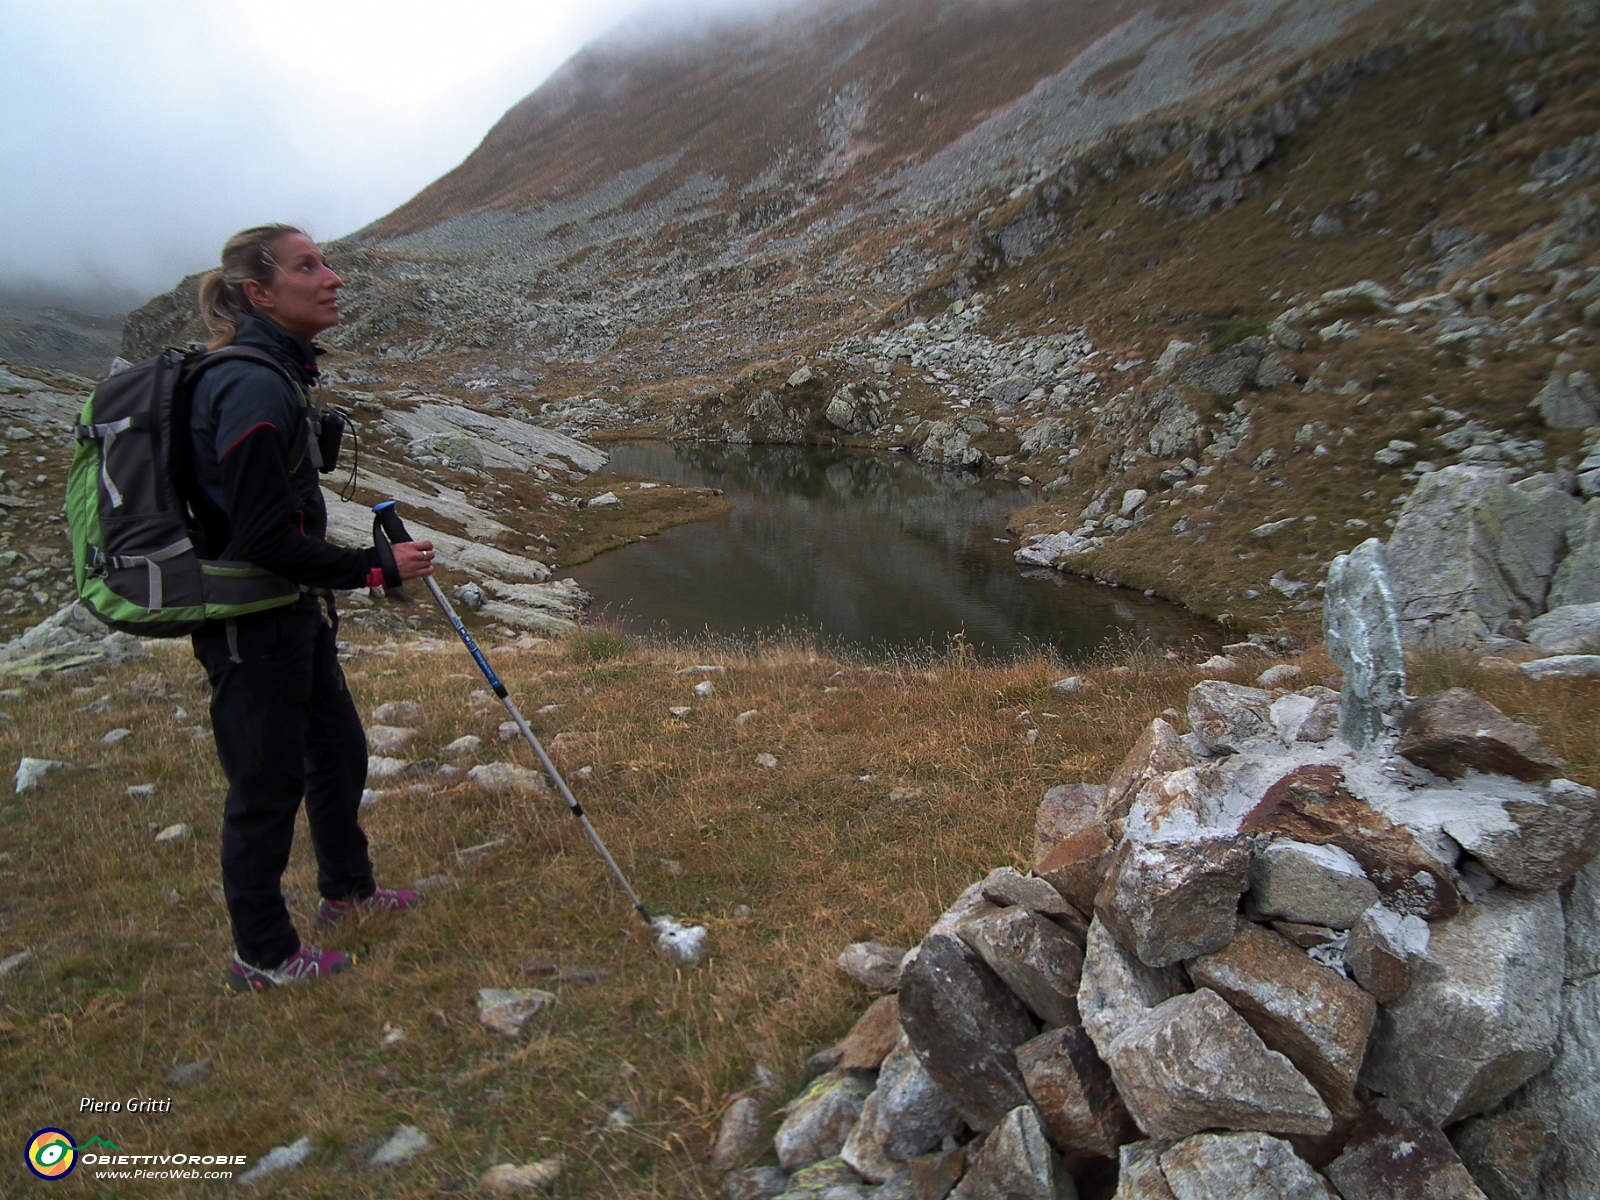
(767, 762)
(738, 1133)
(398, 712)
(506, 1010)
(279, 1158)
(405, 1143)
(506, 777)
(872, 965)
(507, 1178)
(680, 710)
(1281, 675)
(747, 716)
(31, 770)
(381, 767)
(173, 833)
(1070, 686)
(114, 736)
(189, 1074)
(508, 731)
(1563, 666)
(466, 744)
(14, 961)
(141, 791)
(704, 688)
(385, 739)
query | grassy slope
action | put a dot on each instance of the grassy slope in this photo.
(130, 937)
(1210, 279)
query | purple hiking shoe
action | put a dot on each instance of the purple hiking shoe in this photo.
(332, 913)
(304, 965)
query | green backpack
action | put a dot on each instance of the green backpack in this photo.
(133, 552)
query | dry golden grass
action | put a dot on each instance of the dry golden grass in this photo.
(130, 939)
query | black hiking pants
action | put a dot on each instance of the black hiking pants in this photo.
(286, 729)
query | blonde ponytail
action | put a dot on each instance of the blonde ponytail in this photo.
(248, 255)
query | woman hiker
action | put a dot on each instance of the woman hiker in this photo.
(285, 725)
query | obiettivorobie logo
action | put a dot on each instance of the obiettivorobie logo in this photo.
(52, 1154)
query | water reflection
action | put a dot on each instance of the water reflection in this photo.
(873, 551)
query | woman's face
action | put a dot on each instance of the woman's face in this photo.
(303, 294)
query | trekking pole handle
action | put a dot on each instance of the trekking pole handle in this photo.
(389, 530)
(388, 517)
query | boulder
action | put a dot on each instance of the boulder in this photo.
(1082, 1112)
(1311, 804)
(1508, 1153)
(1569, 629)
(1471, 550)
(1116, 988)
(1563, 666)
(1037, 960)
(1577, 579)
(1398, 1150)
(1361, 626)
(1380, 949)
(1239, 1166)
(738, 1133)
(1192, 1063)
(1314, 1017)
(1482, 1014)
(931, 1176)
(1582, 914)
(1076, 865)
(913, 1114)
(1532, 838)
(1310, 884)
(1016, 1163)
(755, 1183)
(1309, 715)
(1573, 1086)
(1168, 901)
(1454, 731)
(871, 1038)
(1159, 751)
(863, 1151)
(817, 1121)
(1065, 812)
(1568, 401)
(1224, 716)
(872, 965)
(830, 1179)
(964, 1023)
(1139, 1174)
(1009, 886)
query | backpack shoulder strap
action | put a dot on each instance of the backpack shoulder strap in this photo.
(211, 358)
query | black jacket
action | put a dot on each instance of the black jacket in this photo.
(254, 504)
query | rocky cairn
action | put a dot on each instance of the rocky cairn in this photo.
(1326, 944)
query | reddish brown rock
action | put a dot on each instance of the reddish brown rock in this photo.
(1159, 751)
(1168, 901)
(1314, 1017)
(964, 1023)
(1076, 865)
(1072, 1089)
(1398, 1152)
(1311, 804)
(871, 1038)
(1065, 810)
(1508, 1153)
(1454, 731)
(933, 1175)
(1307, 937)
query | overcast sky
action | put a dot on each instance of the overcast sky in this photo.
(138, 134)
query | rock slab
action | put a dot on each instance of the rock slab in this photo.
(964, 1022)
(1361, 626)
(1169, 901)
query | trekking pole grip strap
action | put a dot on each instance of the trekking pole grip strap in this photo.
(388, 530)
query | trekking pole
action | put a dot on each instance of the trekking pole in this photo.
(387, 522)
